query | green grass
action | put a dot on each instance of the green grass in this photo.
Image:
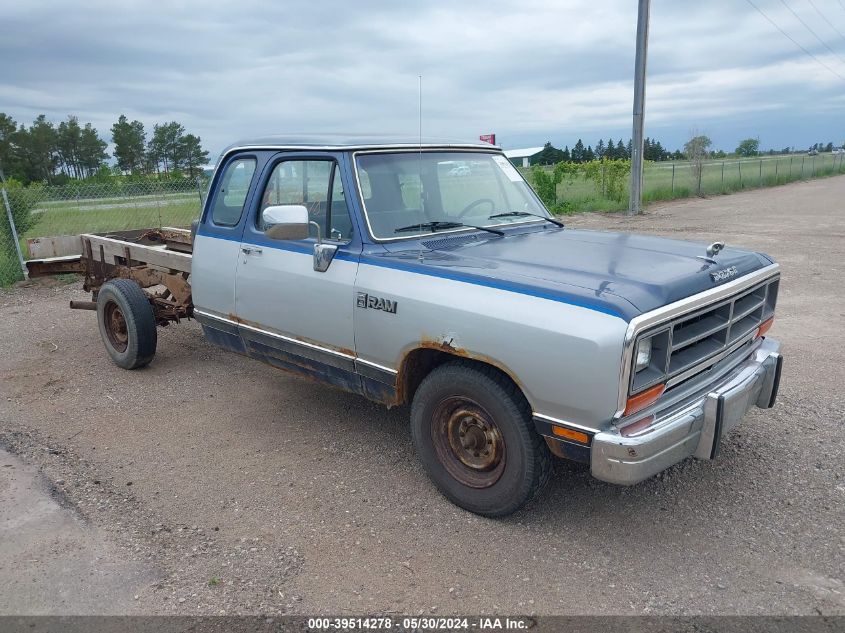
(67, 220)
(93, 214)
(10, 270)
(663, 182)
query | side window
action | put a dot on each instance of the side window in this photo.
(316, 185)
(234, 185)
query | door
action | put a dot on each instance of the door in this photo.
(216, 248)
(290, 314)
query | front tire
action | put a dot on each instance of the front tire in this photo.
(127, 323)
(472, 430)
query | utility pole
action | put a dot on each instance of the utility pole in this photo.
(639, 109)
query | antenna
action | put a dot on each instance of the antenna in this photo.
(420, 256)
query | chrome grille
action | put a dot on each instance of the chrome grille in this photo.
(695, 341)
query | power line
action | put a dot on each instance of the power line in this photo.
(824, 17)
(807, 26)
(788, 36)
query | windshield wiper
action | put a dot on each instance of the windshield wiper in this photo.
(437, 225)
(511, 214)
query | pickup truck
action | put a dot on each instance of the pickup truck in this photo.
(372, 265)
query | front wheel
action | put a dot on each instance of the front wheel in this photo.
(472, 430)
(127, 323)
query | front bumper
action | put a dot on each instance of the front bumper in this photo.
(691, 427)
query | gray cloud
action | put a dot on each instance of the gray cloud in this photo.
(529, 71)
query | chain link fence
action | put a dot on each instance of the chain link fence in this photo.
(682, 179)
(42, 211)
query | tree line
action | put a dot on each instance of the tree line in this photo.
(55, 154)
(609, 150)
(653, 150)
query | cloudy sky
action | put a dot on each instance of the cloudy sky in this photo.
(530, 71)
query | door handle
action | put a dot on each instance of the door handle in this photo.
(251, 250)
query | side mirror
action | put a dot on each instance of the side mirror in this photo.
(285, 222)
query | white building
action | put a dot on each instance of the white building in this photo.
(514, 155)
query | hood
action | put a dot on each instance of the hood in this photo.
(624, 273)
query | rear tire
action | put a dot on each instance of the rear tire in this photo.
(127, 323)
(472, 430)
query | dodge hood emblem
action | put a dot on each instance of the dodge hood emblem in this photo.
(725, 273)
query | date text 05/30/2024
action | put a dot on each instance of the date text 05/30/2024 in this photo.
(418, 623)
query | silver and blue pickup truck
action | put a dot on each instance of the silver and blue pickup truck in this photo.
(431, 275)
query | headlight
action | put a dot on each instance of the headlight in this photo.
(643, 354)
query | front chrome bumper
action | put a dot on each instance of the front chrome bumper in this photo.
(693, 427)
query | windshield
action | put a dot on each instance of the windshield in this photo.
(441, 189)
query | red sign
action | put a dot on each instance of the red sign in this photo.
(488, 138)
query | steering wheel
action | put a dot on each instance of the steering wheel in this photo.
(474, 204)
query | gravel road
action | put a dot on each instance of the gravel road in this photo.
(225, 486)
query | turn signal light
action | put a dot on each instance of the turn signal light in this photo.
(644, 399)
(765, 326)
(569, 434)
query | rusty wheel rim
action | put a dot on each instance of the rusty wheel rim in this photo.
(115, 324)
(468, 442)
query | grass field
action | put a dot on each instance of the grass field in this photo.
(667, 181)
(69, 217)
(98, 210)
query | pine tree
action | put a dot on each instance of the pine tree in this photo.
(37, 150)
(194, 155)
(8, 158)
(600, 149)
(92, 150)
(578, 152)
(129, 144)
(68, 147)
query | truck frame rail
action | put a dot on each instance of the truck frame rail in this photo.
(158, 260)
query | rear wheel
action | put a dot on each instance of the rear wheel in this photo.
(472, 430)
(127, 323)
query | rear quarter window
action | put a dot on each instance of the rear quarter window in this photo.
(232, 190)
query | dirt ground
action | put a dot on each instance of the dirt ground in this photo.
(208, 483)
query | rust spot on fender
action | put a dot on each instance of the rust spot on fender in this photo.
(443, 346)
(409, 366)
